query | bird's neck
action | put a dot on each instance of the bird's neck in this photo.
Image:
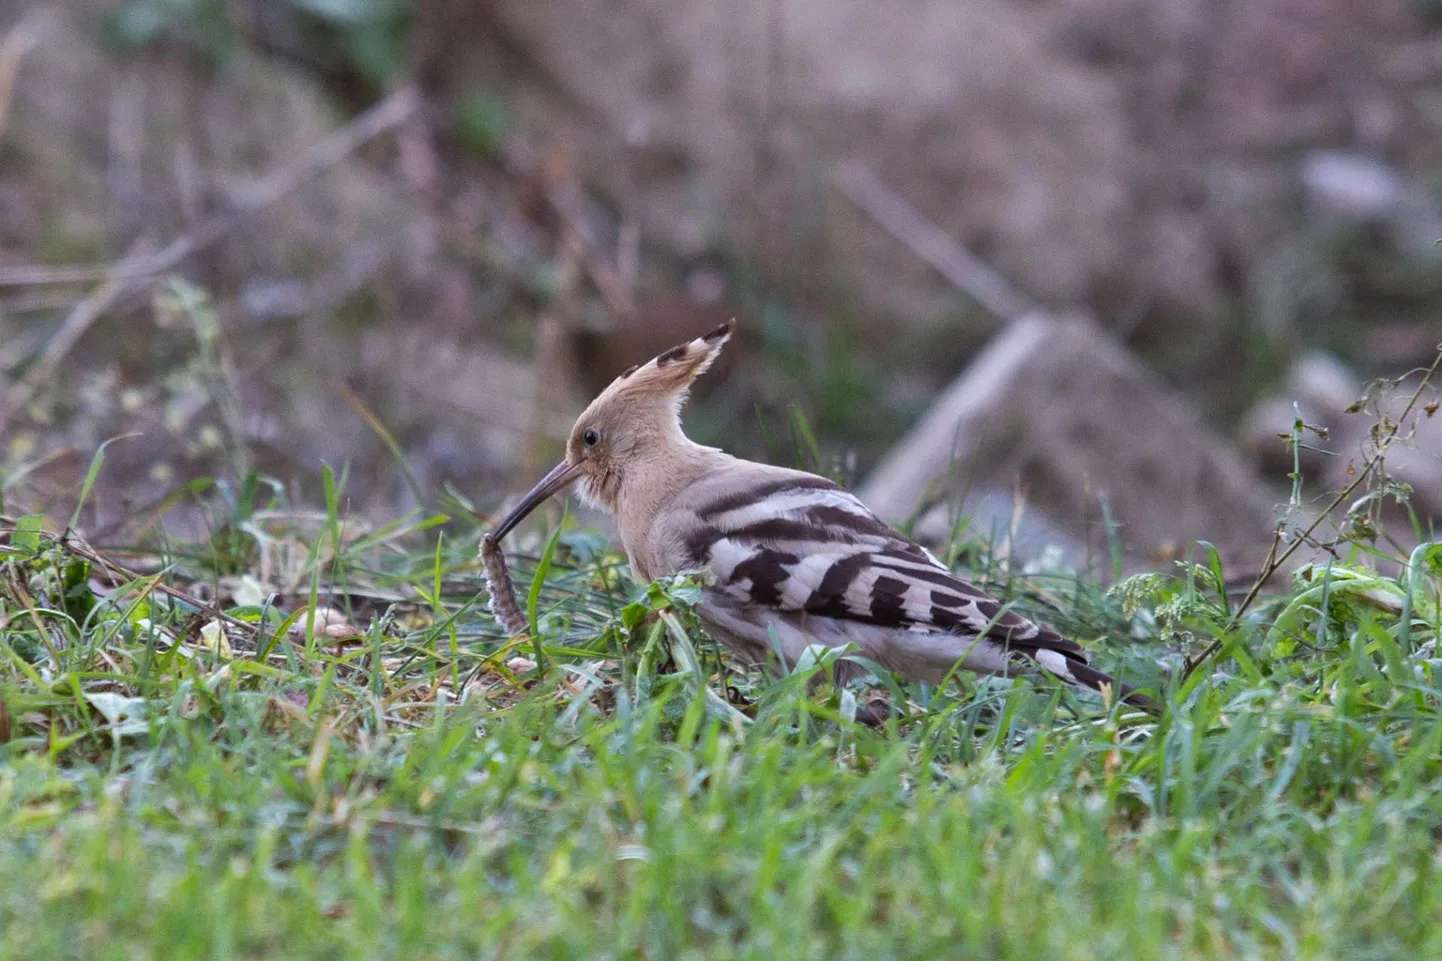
(655, 477)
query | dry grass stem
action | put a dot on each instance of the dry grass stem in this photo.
(118, 572)
(969, 273)
(80, 319)
(1385, 434)
(385, 116)
(22, 38)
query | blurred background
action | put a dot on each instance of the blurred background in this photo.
(1068, 266)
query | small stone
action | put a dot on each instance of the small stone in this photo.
(328, 622)
(1351, 185)
(1323, 381)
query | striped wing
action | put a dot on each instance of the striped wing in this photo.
(800, 543)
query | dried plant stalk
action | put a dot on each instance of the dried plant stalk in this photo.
(503, 592)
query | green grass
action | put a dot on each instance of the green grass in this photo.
(420, 792)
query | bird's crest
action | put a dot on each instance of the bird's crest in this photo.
(669, 374)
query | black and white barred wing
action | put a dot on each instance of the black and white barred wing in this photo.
(800, 545)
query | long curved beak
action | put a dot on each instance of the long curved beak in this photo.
(560, 477)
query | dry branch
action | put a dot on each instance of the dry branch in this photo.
(961, 267)
(608, 283)
(80, 319)
(330, 151)
(70, 542)
(22, 38)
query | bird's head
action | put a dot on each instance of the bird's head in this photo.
(627, 425)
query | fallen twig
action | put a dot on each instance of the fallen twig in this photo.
(610, 282)
(384, 116)
(610, 286)
(899, 218)
(22, 38)
(74, 326)
(71, 543)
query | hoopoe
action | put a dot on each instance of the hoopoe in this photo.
(791, 554)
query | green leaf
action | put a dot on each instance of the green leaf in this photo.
(332, 499)
(78, 600)
(632, 614)
(533, 597)
(1214, 565)
(96, 461)
(125, 715)
(481, 124)
(1423, 557)
(27, 533)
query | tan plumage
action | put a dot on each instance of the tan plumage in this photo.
(796, 559)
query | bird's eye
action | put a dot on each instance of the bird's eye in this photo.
(591, 437)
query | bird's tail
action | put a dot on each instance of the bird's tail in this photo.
(1080, 674)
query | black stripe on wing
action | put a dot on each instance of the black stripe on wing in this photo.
(766, 571)
(800, 524)
(948, 603)
(759, 492)
(768, 553)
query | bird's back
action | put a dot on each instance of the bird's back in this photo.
(798, 560)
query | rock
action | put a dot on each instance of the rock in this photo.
(327, 623)
(1319, 388)
(1325, 382)
(1263, 431)
(1418, 464)
(1415, 459)
(1058, 407)
(520, 665)
(1351, 185)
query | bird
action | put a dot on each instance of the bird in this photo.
(794, 559)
